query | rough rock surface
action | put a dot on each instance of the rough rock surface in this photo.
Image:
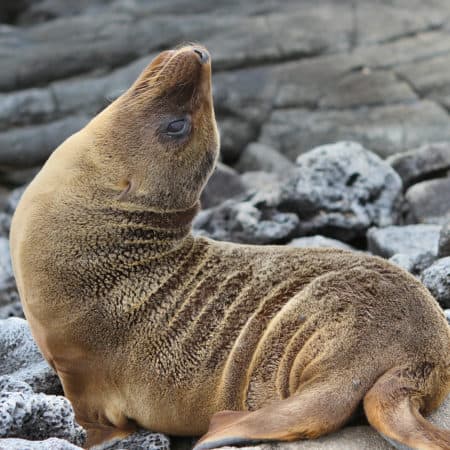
(429, 201)
(21, 360)
(247, 221)
(422, 163)
(409, 239)
(47, 444)
(437, 279)
(342, 189)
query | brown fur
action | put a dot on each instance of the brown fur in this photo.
(147, 325)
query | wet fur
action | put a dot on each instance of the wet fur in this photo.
(148, 326)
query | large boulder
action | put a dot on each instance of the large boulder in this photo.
(341, 190)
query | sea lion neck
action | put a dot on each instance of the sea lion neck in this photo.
(152, 234)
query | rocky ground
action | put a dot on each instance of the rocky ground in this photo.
(335, 128)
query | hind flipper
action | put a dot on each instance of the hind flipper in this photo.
(392, 407)
(317, 409)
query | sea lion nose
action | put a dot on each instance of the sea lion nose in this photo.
(202, 54)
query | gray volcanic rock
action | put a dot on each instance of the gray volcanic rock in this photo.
(9, 297)
(408, 240)
(341, 190)
(444, 241)
(260, 157)
(141, 440)
(319, 241)
(37, 416)
(385, 129)
(416, 165)
(249, 221)
(21, 360)
(30, 146)
(429, 201)
(437, 279)
(48, 444)
(224, 183)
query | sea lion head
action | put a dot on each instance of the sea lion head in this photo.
(158, 142)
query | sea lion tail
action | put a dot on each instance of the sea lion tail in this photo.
(394, 403)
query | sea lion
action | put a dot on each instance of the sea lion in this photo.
(149, 326)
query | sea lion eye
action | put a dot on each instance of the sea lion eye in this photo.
(177, 128)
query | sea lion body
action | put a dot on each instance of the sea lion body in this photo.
(147, 325)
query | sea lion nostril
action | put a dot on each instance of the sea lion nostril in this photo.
(204, 57)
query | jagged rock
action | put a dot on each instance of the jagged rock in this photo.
(419, 164)
(223, 184)
(260, 157)
(385, 129)
(341, 190)
(408, 240)
(246, 221)
(437, 279)
(21, 360)
(319, 241)
(444, 241)
(28, 415)
(429, 201)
